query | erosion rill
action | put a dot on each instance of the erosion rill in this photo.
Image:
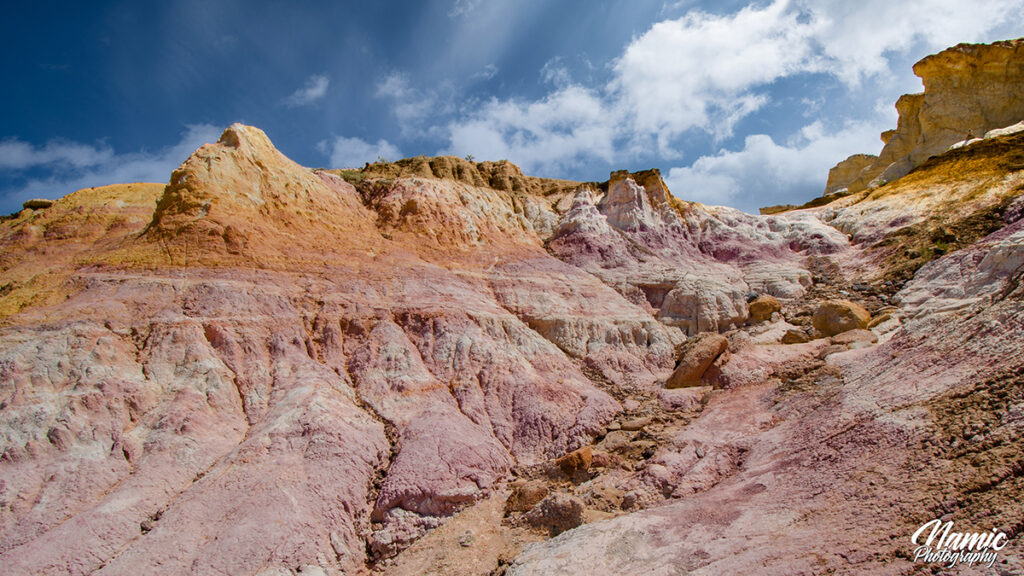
(437, 366)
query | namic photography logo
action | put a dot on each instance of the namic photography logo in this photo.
(937, 542)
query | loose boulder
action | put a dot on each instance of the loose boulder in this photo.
(795, 336)
(762, 308)
(694, 357)
(526, 496)
(557, 513)
(575, 464)
(837, 316)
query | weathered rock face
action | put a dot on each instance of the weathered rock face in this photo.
(948, 204)
(843, 174)
(969, 90)
(753, 481)
(206, 413)
(688, 264)
(503, 176)
(281, 370)
(248, 361)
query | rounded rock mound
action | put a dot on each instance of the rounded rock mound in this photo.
(837, 316)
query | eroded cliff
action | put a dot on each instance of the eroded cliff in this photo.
(969, 90)
(425, 366)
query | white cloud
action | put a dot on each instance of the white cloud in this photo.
(395, 85)
(765, 172)
(18, 155)
(489, 71)
(313, 90)
(413, 107)
(548, 133)
(698, 71)
(670, 7)
(354, 152)
(74, 166)
(709, 71)
(556, 73)
(857, 38)
(410, 104)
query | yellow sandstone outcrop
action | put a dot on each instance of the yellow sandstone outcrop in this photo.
(969, 90)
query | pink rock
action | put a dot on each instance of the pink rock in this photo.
(444, 461)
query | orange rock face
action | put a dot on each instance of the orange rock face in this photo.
(693, 359)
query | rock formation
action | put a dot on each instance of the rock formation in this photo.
(434, 365)
(694, 357)
(969, 89)
(762, 308)
(247, 361)
(846, 172)
(837, 316)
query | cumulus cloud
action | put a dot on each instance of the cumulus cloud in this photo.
(313, 90)
(857, 38)
(18, 155)
(705, 71)
(547, 133)
(698, 71)
(354, 152)
(72, 166)
(764, 172)
(413, 107)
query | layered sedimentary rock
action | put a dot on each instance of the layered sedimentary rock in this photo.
(275, 368)
(689, 264)
(827, 454)
(837, 469)
(969, 89)
(425, 366)
(843, 174)
(226, 378)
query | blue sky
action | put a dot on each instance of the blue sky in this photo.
(738, 103)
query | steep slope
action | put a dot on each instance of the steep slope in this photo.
(276, 368)
(225, 396)
(948, 203)
(422, 366)
(835, 469)
(826, 456)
